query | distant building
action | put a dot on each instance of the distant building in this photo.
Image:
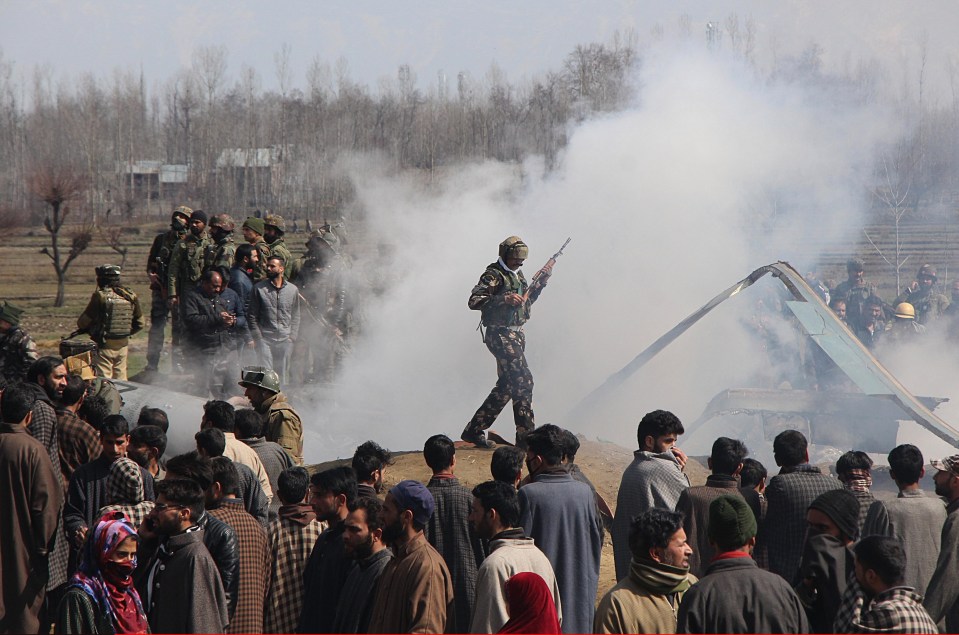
(255, 173)
(153, 180)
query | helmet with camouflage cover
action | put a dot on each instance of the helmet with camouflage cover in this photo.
(905, 311)
(276, 221)
(319, 235)
(184, 212)
(513, 247)
(927, 271)
(260, 377)
(224, 221)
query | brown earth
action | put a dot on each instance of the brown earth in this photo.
(603, 463)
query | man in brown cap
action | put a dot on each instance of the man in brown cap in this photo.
(219, 253)
(253, 230)
(274, 227)
(17, 348)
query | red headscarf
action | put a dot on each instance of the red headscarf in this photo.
(531, 606)
(110, 584)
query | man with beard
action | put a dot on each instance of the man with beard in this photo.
(253, 230)
(942, 595)
(215, 322)
(29, 514)
(219, 253)
(871, 324)
(495, 516)
(369, 462)
(646, 600)
(179, 584)
(363, 540)
(158, 264)
(331, 493)
(17, 348)
(291, 537)
(416, 590)
(46, 379)
(274, 318)
(244, 261)
(924, 296)
(147, 445)
(273, 229)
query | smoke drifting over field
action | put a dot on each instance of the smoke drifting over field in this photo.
(710, 175)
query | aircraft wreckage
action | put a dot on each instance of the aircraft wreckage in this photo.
(868, 420)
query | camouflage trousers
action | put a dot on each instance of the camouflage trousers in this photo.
(159, 312)
(514, 382)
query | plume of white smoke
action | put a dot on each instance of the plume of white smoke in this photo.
(713, 173)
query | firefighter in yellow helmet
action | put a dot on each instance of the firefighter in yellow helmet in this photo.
(504, 298)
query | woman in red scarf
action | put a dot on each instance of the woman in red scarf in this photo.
(100, 597)
(531, 608)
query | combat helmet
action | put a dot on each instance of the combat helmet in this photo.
(260, 377)
(223, 221)
(905, 311)
(276, 221)
(184, 212)
(108, 274)
(513, 247)
(927, 270)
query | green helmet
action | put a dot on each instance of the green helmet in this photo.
(513, 247)
(260, 377)
(927, 270)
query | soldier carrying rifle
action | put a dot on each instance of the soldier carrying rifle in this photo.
(504, 297)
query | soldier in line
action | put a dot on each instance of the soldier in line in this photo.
(186, 265)
(219, 253)
(853, 290)
(273, 229)
(111, 317)
(924, 296)
(253, 230)
(158, 264)
(504, 298)
(320, 276)
(17, 348)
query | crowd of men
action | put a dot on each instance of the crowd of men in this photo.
(103, 533)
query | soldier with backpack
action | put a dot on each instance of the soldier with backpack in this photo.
(111, 317)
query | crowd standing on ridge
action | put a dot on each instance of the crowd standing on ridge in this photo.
(103, 533)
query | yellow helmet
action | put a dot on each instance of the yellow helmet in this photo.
(905, 311)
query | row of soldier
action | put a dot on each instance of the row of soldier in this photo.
(919, 307)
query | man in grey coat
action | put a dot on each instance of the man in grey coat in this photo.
(913, 517)
(560, 515)
(274, 318)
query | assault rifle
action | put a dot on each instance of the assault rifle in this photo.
(539, 274)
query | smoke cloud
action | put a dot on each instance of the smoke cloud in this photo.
(711, 174)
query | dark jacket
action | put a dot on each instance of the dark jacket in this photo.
(242, 284)
(204, 328)
(220, 540)
(325, 574)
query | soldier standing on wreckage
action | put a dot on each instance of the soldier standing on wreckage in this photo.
(158, 265)
(501, 296)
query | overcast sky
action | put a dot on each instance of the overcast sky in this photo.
(524, 37)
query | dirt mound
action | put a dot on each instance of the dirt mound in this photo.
(603, 464)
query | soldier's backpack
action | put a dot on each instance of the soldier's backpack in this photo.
(118, 313)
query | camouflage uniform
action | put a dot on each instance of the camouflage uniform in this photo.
(321, 282)
(278, 247)
(929, 304)
(186, 265)
(854, 295)
(17, 352)
(219, 254)
(263, 252)
(158, 263)
(505, 339)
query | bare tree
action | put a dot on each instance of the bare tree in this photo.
(55, 186)
(112, 236)
(895, 176)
